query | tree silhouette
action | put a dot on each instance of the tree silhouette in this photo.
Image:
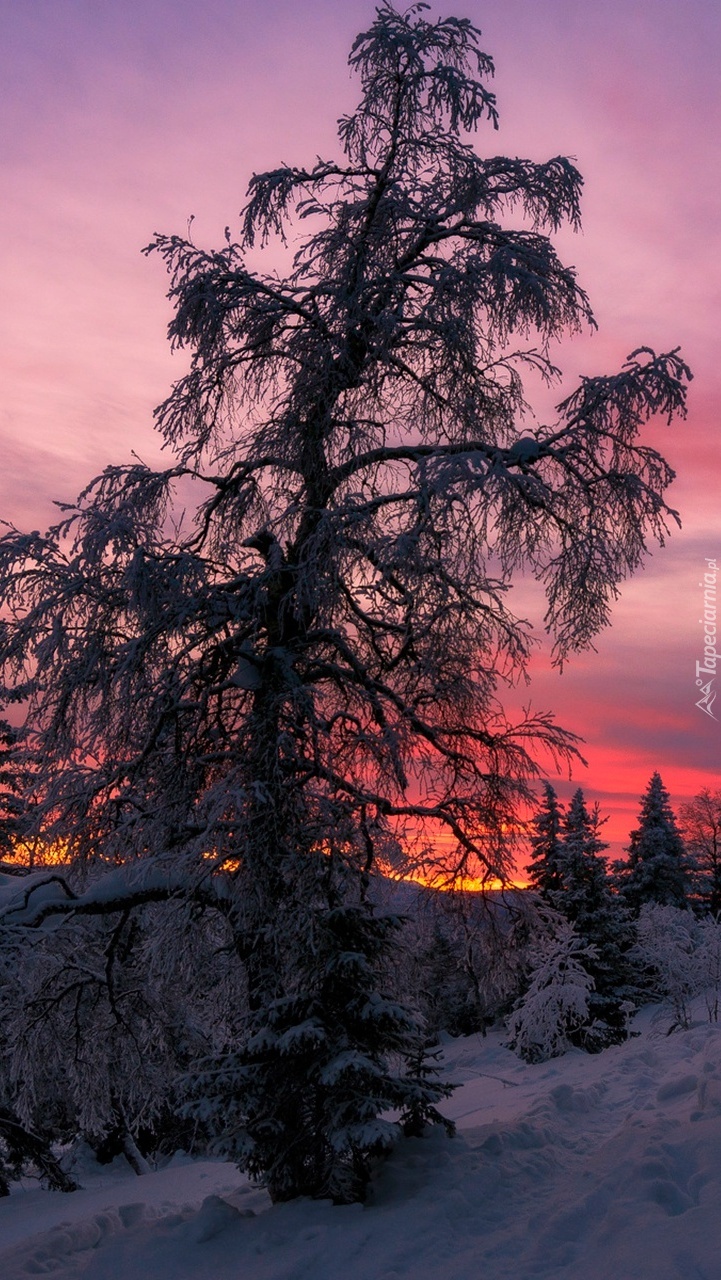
(599, 918)
(701, 829)
(16, 774)
(545, 869)
(657, 867)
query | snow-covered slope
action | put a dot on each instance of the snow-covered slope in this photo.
(588, 1167)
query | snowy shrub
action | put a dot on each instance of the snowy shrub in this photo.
(556, 1003)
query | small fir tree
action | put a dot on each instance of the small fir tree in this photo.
(302, 1104)
(657, 868)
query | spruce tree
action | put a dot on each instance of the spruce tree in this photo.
(600, 920)
(657, 868)
(583, 867)
(545, 869)
(301, 1104)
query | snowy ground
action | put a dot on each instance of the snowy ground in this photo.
(588, 1167)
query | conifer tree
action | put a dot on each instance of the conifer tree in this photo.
(545, 869)
(299, 1105)
(657, 868)
(599, 918)
(583, 867)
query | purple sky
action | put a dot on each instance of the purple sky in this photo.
(120, 119)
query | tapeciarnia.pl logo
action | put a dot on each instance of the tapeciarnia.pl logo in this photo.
(710, 656)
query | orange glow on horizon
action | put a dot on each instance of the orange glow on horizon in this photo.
(445, 882)
(38, 853)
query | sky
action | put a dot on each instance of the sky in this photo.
(119, 120)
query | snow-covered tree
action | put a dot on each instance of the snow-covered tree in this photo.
(666, 949)
(701, 830)
(467, 958)
(24, 1153)
(598, 916)
(307, 1088)
(439, 970)
(657, 868)
(545, 868)
(101, 1019)
(582, 865)
(309, 664)
(555, 1008)
(25, 1148)
(569, 872)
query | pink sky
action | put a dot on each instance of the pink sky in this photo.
(117, 120)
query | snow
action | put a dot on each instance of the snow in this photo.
(583, 1166)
